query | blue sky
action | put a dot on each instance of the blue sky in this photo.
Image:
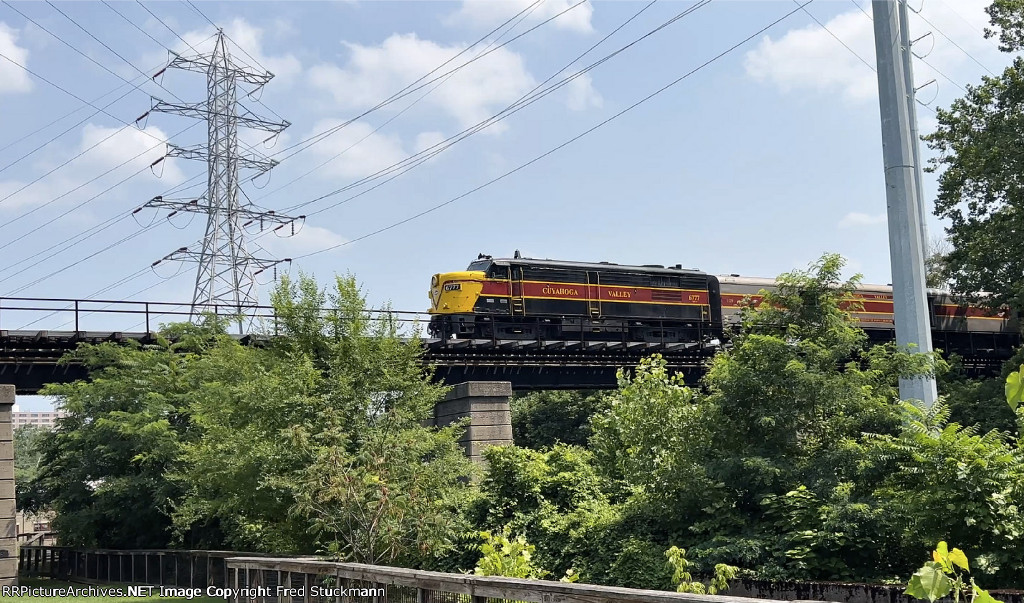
(756, 164)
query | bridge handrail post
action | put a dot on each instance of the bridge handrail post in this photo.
(147, 317)
(76, 316)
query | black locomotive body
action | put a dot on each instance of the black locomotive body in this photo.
(521, 298)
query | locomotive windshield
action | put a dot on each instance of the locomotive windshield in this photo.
(481, 265)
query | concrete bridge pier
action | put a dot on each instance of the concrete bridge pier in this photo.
(486, 403)
(8, 511)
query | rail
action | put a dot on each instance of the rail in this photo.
(73, 312)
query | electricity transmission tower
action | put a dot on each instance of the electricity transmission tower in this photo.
(227, 270)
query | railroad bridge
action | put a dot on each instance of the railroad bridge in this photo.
(29, 354)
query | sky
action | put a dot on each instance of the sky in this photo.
(754, 163)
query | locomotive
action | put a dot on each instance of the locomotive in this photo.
(553, 300)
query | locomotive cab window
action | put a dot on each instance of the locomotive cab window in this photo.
(497, 272)
(479, 265)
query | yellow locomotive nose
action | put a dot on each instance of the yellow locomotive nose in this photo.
(455, 292)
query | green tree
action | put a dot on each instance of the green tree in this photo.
(316, 443)
(311, 443)
(543, 419)
(104, 468)
(979, 157)
(949, 481)
(28, 457)
(980, 401)
(762, 469)
(935, 263)
(1007, 18)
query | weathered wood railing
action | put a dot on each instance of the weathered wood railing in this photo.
(297, 580)
(235, 576)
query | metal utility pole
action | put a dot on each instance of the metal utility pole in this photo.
(227, 271)
(906, 245)
(908, 77)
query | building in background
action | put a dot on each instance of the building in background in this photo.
(37, 419)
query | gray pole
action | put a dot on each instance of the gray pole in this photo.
(908, 77)
(906, 247)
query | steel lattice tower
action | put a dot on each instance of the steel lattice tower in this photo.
(226, 276)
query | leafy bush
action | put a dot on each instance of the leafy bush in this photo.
(543, 419)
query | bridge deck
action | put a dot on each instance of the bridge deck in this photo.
(30, 358)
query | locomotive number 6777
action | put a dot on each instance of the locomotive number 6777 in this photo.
(552, 300)
(521, 298)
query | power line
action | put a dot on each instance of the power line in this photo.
(72, 265)
(400, 113)
(837, 38)
(414, 87)
(104, 44)
(77, 239)
(527, 99)
(420, 79)
(316, 138)
(79, 187)
(969, 24)
(568, 142)
(85, 235)
(66, 91)
(394, 97)
(954, 43)
(201, 13)
(920, 58)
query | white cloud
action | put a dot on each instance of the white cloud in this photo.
(13, 78)
(86, 175)
(362, 152)
(490, 13)
(470, 95)
(308, 238)
(427, 140)
(110, 147)
(582, 95)
(810, 58)
(856, 219)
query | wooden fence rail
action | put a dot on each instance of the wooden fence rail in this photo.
(252, 577)
(306, 581)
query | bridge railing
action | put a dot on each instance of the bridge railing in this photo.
(65, 314)
(102, 315)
